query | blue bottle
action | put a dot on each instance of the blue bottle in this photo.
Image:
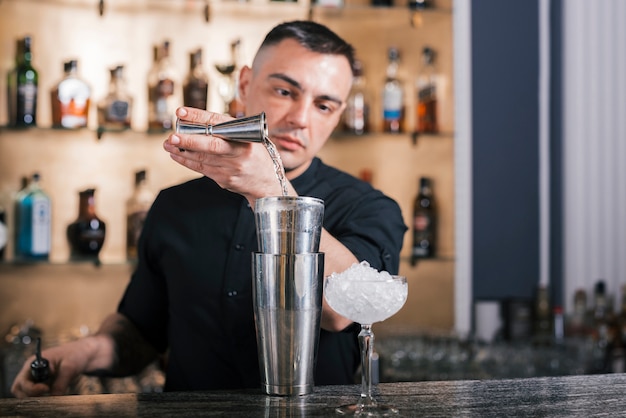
(32, 223)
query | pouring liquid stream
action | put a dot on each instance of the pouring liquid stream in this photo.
(278, 163)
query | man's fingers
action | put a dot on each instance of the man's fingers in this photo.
(191, 114)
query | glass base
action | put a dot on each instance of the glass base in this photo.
(373, 410)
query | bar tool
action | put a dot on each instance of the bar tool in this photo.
(248, 129)
(287, 291)
(39, 368)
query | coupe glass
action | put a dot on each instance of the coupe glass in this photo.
(366, 301)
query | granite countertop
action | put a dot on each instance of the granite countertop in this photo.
(568, 396)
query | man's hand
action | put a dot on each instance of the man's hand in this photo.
(240, 167)
(67, 362)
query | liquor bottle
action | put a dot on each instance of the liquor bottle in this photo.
(4, 232)
(115, 110)
(426, 87)
(578, 325)
(196, 86)
(393, 95)
(32, 222)
(70, 99)
(23, 87)
(542, 324)
(424, 222)
(601, 331)
(162, 99)
(87, 233)
(137, 208)
(356, 115)
(235, 106)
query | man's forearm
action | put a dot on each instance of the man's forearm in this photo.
(337, 258)
(129, 351)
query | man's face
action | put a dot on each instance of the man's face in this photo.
(303, 94)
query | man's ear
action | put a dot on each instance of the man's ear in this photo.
(245, 76)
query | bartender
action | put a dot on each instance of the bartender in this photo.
(190, 296)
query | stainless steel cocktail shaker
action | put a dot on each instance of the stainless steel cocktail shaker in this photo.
(287, 291)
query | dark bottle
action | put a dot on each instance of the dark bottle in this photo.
(542, 324)
(196, 85)
(86, 234)
(32, 223)
(22, 84)
(424, 222)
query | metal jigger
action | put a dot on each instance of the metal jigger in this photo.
(248, 129)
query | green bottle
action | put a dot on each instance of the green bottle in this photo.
(23, 83)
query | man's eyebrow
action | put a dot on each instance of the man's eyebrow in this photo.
(297, 85)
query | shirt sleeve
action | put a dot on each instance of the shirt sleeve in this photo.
(368, 223)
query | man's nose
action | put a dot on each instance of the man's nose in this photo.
(298, 116)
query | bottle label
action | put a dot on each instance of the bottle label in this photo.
(392, 104)
(27, 93)
(117, 111)
(165, 88)
(421, 222)
(41, 226)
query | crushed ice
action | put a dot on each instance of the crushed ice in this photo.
(365, 295)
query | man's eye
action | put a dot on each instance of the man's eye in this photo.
(283, 92)
(325, 108)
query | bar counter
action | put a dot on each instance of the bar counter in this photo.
(568, 396)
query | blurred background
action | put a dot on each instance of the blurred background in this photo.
(523, 164)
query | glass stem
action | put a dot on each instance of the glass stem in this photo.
(366, 341)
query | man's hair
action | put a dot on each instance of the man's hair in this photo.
(313, 36)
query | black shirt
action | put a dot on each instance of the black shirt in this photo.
(191, 293)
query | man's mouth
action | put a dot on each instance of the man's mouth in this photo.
(287, 143)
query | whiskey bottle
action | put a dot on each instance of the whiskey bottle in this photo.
(86, 234)
(393, 95)
(424, 222)
(137, 208)
(356, 115)
(32, 222)
(162, 99)
(196, 85)
(235, 106)
(22, 83)
(115, 110)
(426, 87)
(70, 99)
